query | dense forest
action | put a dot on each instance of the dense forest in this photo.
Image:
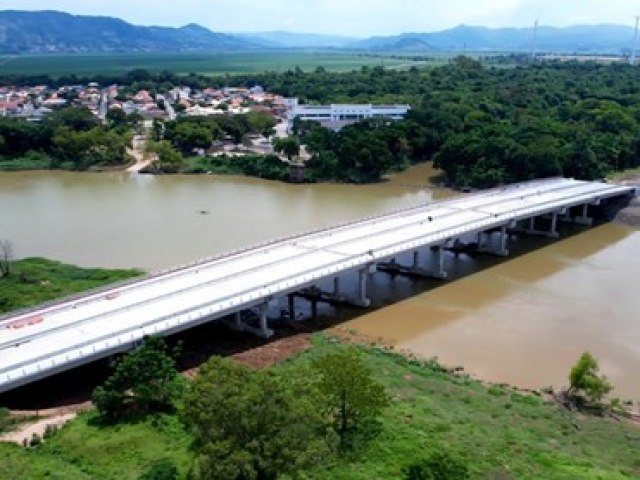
(481, 125)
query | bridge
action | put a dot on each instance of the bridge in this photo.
(49, 339)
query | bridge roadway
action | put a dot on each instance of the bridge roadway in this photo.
(43, 341)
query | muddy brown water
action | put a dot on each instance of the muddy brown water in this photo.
(523, 320)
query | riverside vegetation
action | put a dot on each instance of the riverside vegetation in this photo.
(32, 281)
(276, 423)
(480, 125)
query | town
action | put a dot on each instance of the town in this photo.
(34, 103)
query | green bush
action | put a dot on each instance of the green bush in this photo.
(161, 470)
(441, 465)
(35, 441)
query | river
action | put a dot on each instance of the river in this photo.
(524, 320)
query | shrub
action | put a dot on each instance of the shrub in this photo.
(161, 470)
(35, 440)
(440, 465)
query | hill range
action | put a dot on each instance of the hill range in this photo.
(51, 31)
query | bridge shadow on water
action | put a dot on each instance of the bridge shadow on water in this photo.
(215, 338)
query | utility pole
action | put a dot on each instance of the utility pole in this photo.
(635, 43)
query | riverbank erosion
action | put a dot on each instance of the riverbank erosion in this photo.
(497, 431)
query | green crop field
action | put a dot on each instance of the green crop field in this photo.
(57, 65)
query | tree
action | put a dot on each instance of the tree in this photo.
(440, 465)
(585, 380)
(288, 146)
(116, 117)
(169, 160)
(75, 118)
(261, 123)
(188, 136)
(157, 130)
(250, 424)
(98, 146)
(144, 380)
(6, 257)
(352, 397)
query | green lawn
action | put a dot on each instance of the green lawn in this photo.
(56, 65)
(37, 280)
(501, 433)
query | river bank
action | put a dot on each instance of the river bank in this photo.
(33, 281)
(499, 432)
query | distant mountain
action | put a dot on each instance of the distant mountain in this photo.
(582, 38)
(296, 40)
(49, 31)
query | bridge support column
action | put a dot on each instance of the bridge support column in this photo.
(553, 228)
(416, 260)
(363, 300)
(264, 330)
(584, 219)
(439, 271)
(337, 295)
(238, 324)
(503, 251)
(291, 300)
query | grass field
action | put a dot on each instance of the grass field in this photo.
(499, 432)
(36, 280)
(57, 65)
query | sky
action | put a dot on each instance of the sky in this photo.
(360, 18)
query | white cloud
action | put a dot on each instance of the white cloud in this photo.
(348, 17)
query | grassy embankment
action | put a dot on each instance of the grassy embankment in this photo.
(36, 280)
(501, 433)
(32, 161)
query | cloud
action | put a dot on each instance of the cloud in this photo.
(347, 17)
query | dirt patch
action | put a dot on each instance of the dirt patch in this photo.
(73, 408)
(38, 427)
(275, 352)
(269, 354)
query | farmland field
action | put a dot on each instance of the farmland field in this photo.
(57, 65)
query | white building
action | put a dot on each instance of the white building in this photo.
(337, 116)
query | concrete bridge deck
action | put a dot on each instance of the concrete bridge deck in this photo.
(43, 341)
